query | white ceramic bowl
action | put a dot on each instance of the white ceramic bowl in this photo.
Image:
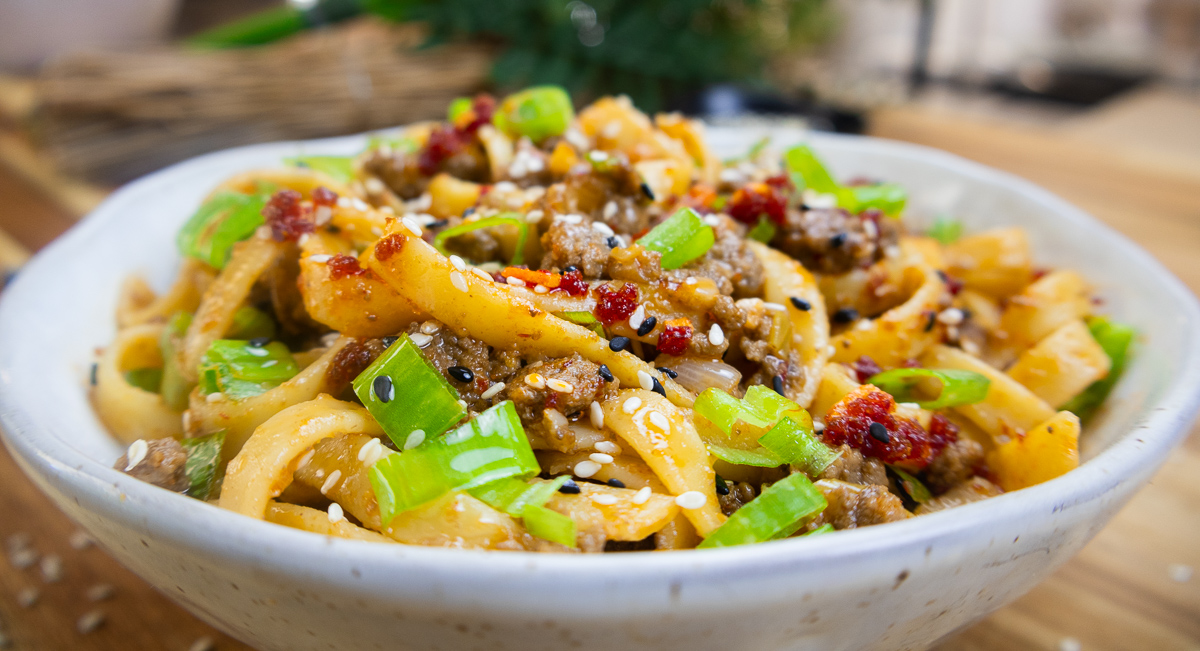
(902, 585)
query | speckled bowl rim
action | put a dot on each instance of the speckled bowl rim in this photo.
(228, 535)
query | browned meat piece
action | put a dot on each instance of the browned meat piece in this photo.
(740, 493)
(834, 241)
(972, 490)
(589, 193)
(162, 466)
(398, 171)
(855, 505)
(351, 361)
(533, 391)
(957, 462)
(790, 370)
(635, 264)
(854, 468)
(568, 244)
(530, 166)
(730, 259)
(447, 350)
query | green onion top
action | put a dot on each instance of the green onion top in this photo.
(958, 387)
(778, 512)
(505, 218)
(339, 168)
(405, 393)
(457, 107)
(683, 237)
(538, 112)
(224, 220)
(251, 323)
(174, 388)
(807, 171)
(241, 370)
(203, 465)
(146, 379)
(946, 230)
(549, 525)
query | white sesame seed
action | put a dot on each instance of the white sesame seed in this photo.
(540, 289)
(607, 447)
(344, 202)
(492, 391)
(576, 138)
(336, 514)
(460, 283)
(458, 263)
(28, 597)
(1069, 644)
(690, 280)
(90, 621)
(645, 380)
(586, 469)
(505, 186)
(462, 403)
(870, 229)
(360, 205)
(370, 452)
(631, 405)
(534, 216)
(306, 459)
(570, 218)
(416, 438)
(23, 558)
(535, 380)
(604, 499)
(203, 644)
(136, 453)
(830, 350)
(388, 209)
(642, 496)
(597, 414)
(818, 426)
(716, 336)
(559, 385)
(303, 239)
(80, 540)
(52, 568)
(100, 592)
(603, 229)
(864, 324)
(598, 156)
(636, 319)
(331, 482)
(775, 307)
(691, 500)
(610, 209)
(1180, 573)
(951, 316)
(412, 225)
(659, 420)
(216, 396)
(712, 220)
(514, 281)
(601, 458)
(481, 273)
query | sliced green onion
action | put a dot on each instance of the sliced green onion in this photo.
(958, 387)
(507, 218)
(1115, 338)
(538, 113)
(251, 323)
(549, 525)
(239, 370)
(752, 153)
(490, 447)
(224, 220)
(807, 171)
(339, 168)
(769, 406)
(946, 230)
(761, 458)
(887, 197)
(720, 408)
(792, 440)
(457, 107)
(203, 463)
(511, 495)
(174, 387)
(396, 143)
(821, 530)
(585, 319)
(683, 237)
(763, 231)
(778, 512)
(913, 486)
(146, 379)
(405, 394)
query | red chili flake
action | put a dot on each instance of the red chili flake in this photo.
(910, 363)
(953, 284)
(865, 368)
(942, 432)
(287, 216)
(388, 246)
(572, 283)
(323, 196)
(1038, 273)
(849, 423)
(781, 182)
(860, 181)
(552, 399)
(444, 142)
(674, 339)
(613, 306)
(341, 266)
(483, 106)
(755, 200)
(481, 383)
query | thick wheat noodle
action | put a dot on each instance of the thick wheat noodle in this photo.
(129, 412)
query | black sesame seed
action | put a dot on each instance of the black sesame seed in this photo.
(95, 369)
(647, 325)
(333, 230)
(569, 487)
(801, 304)
(668, 372)
(613, 242)
(942, 274)
(388, 341)
(722, 487)
(777, 384)
(845, 315)
(615, 483)
(441, 223)
(384, 390)
(879, 432)
(647, 191)
(461, 373)
(259, 342)
(468, 212)
(837, 240)
(658, 387)
(618, 344)
(931, 320)
(605, 373)
(571, 267)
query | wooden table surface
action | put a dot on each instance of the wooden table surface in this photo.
(1131, 588)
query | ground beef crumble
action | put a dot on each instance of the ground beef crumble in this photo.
(832, 241)
(854, 468)
(162, 466)
(956, 463)
(854, 505)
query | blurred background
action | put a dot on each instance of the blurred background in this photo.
(1098, 100)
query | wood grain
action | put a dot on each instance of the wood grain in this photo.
(1117, 594)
